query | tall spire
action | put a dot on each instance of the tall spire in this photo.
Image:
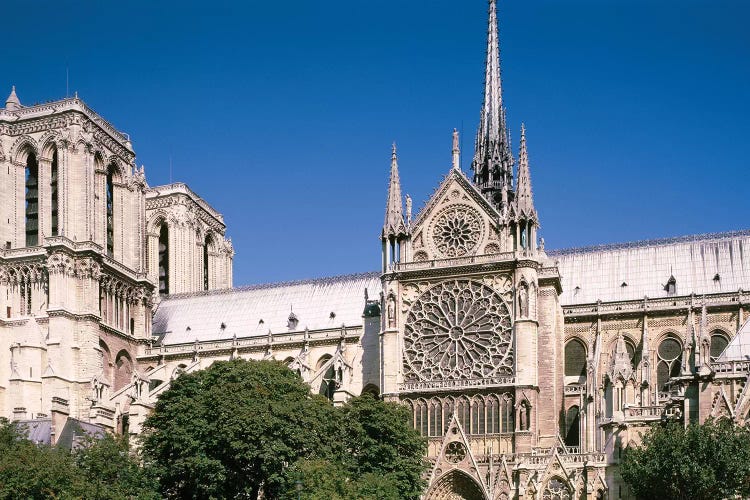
(524, 197)
(493, 161)
(394, 216)
(12, 103)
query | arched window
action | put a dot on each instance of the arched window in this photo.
(53, 194)
(110, 211)
(669, 361)
(206, 246)
(493, 415)
(32, 201)
(477, 416)
(575, 359)
(572, 426)
(463, 412)
(507, 414)
(123, 370)
(328, 385)
(448, 406)
(719, 342)
(436, 418)
(164, 259)
(420, 417)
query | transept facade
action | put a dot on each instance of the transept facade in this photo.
(527, 370)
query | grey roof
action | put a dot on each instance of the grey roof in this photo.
(253, 310)
(631, 271)
(37, 430)
(739, 348)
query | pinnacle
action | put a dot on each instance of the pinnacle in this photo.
(12, 103)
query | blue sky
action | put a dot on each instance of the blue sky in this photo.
(281, 114)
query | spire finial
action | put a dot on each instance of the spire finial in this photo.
(493, 161)
(456, 151)
(394, 215)
(12, 103)
(524, 197)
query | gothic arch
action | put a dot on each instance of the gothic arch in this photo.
(98, 160)
(123, 370)
(156, 220)
(115, 168)
(106, 355)
(22, 147)
(455, 485)
(576, 355)
(371, 389)
(48, 145)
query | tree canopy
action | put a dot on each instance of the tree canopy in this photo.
(103, 469)
(241, 427)
(708, 461)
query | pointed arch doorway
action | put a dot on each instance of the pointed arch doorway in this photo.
(455, 485)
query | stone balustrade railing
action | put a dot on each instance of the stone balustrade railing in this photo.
(262, 341)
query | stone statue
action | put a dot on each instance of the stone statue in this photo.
(391, 311)
(523, 301)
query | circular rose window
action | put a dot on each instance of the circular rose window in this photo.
(458, 329)
(456, 230)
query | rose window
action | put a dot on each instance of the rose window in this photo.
(457, 330)
(455, 452)
(456, 231)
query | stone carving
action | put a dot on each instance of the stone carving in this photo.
(523, 300)
(456, 230)
(457, 330)
(391, 310)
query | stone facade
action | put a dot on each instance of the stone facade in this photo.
(77, 277)
(527, 370)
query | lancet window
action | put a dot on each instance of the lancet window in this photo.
(206, 246)
(719, 342)
(575, 359)
(669, 361)
(164, 259)
(32, 201)
(110, 210)
(572, 426)
(53, 194)
(488, 414)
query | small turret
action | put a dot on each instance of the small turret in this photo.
(12, 103)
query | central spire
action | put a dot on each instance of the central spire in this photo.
(493, 161)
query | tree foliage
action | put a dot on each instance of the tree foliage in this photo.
(242, 427)
(709, 461)
(103, 470)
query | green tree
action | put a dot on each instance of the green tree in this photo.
(28, 470)
(233, 429)
(112, 472)
(382, 447)
(709, 461)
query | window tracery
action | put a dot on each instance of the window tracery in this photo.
(457, 230)
(669, 361)
(556, 490)
(488, 414)
(457, 330)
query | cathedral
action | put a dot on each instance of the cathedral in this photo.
(527, 369)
